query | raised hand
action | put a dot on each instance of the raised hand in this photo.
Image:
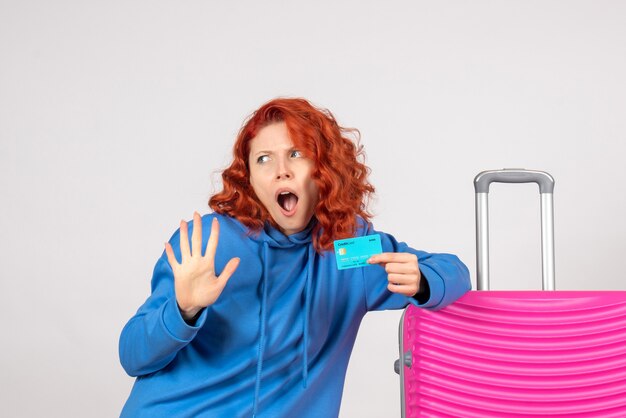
(403, 273)
(196, 282)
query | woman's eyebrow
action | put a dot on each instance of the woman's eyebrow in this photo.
(294, 148)
(262, 152)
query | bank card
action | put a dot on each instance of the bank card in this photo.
(354, 252)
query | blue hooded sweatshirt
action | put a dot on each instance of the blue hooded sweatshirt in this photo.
(277, 341)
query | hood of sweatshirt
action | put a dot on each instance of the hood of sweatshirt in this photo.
(274, 238)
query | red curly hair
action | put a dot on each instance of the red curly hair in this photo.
(340, 176)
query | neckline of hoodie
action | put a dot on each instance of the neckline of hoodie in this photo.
(274, 237)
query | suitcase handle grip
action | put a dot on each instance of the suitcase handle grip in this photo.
(514, 175)
(546, 189)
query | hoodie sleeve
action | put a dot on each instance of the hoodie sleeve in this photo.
(447, 278)
(151, 338)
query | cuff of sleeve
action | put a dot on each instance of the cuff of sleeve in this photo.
(435, 284)
(175, 324)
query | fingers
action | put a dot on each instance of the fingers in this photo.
(404, 263)
(402, 269)
(229, 269)
(170, 255)
(401, 278)
(391, 258)
(185, 253)
(404, 284)
(196, 236)
(407, 290)
(211, 246)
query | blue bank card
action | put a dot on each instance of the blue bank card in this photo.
(354, 252)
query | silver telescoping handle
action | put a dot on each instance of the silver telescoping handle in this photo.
(546, 189)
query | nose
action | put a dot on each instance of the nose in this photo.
(283, 171)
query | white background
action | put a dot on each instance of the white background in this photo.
(116, 116)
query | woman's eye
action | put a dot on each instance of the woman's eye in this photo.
(261, 160)
(298, 153)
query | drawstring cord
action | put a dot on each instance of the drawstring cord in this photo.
(305, 341)
(259, 366)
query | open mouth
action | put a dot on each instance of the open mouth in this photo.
(287, 201)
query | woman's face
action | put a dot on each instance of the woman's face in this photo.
(281, 178)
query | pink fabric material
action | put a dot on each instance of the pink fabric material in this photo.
(522, 354)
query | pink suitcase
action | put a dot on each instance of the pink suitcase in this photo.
(516, 353)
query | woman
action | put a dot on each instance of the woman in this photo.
(250, 316)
